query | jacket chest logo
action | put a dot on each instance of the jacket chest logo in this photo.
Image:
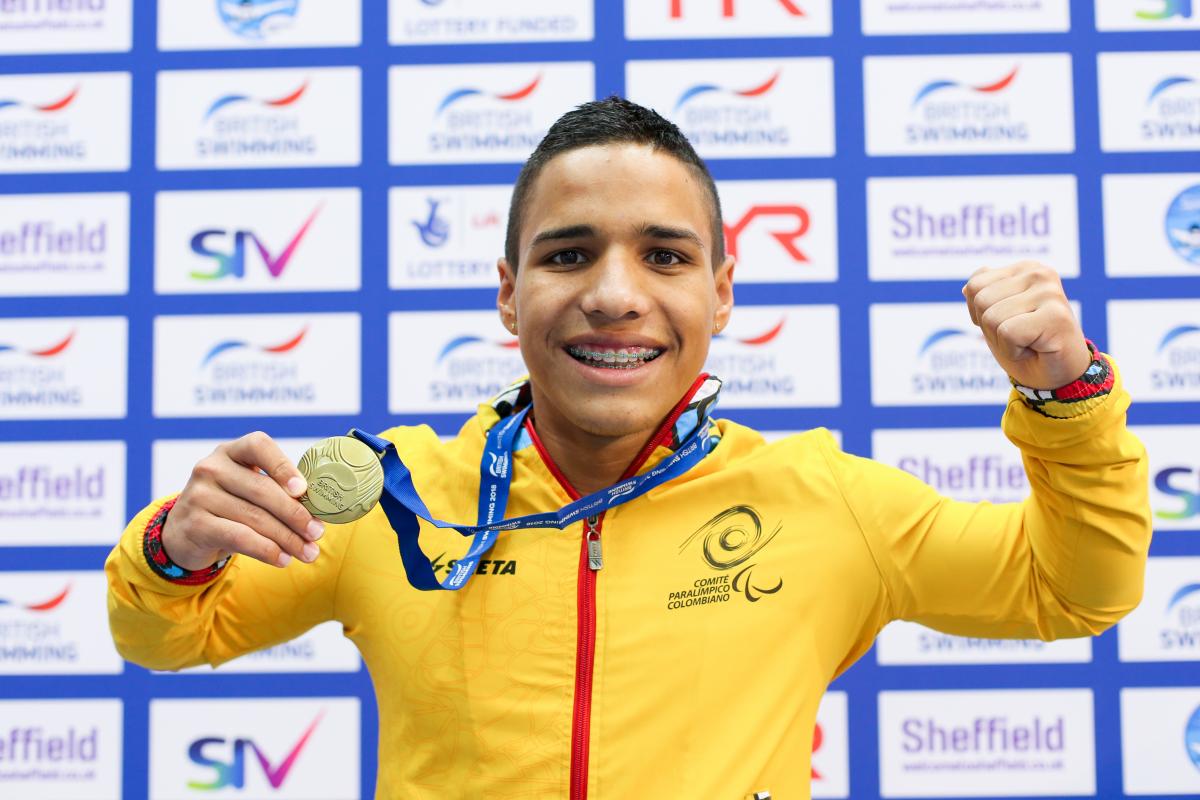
(729, 545)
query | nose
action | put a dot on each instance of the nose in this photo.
(616, 288)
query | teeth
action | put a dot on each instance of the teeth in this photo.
(624, 358)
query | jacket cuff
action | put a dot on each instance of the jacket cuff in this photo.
(1076, 398)
(162, 565)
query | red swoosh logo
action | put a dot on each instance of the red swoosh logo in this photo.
(52, 602)
(1000, 84)
(54, 350)
(289, 99)
(288, 345)
(521, 94)
(763, 89)
(765, 337)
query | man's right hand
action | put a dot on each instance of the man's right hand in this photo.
(230, 506)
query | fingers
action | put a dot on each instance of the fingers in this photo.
(239, 538)
(259, 450)
(264, 493)
(988, 287)
(222, 505)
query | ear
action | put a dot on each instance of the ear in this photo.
(506, 296)
(723, 279)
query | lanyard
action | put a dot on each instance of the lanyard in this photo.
(403, 505)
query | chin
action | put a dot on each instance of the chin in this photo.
(613, 417)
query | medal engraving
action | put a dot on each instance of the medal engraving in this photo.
(345, 479)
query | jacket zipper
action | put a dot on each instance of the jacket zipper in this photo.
(591, 560)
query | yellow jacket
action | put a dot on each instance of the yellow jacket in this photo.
(691, 665)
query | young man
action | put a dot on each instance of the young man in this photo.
(679, 644)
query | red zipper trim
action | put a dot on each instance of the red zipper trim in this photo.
(585, 637)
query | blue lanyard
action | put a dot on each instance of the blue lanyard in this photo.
(403, 505)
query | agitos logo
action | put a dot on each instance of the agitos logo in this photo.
(729, 544)
(729, 8)
(227, 100)
(460, 94)
(41, 607)
(45, 108)
(237, 344)
(230, 770)
(232, 262)
(44, 352)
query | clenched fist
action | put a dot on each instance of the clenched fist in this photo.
(1028, 324)
(230, 506)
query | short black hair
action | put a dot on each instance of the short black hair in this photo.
(613, 120)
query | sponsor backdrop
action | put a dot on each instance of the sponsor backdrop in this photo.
(222, 215)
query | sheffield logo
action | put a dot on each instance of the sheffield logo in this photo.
(730, 544)
(1183, 224)
(44, 108)
(237, 344)
(232, 263)
(227, 100)
(457, 95)
(729, 8)
(954, 111)
(231, 772)
(45, 352)
(256, 20)
(40, 607)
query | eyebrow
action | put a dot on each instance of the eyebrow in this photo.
(566, 232)
(649, 230)
(666, 232)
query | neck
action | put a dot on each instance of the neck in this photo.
(589, 462)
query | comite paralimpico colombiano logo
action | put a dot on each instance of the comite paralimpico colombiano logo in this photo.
(460, 94)
(235, 99)
(942, 84)
(463, 341)
(40, 607)
(257, 19)
(700, 89)
(43, 352)
(44, 108)
(238, 344)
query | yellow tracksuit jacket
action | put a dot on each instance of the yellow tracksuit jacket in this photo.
(691, 665)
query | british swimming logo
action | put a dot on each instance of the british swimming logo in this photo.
(462, 93)
(229, 345)
(41, 606)
(49, 351)
(463, 341)
(227, 100)
(701, 89)
(943, 84)
(44, 108)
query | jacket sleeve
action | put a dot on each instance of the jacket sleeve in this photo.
(248, 606)
(1068, 561)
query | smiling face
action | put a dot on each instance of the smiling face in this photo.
(615, 299)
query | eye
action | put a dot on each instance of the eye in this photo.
(567, 258)
(665, 258)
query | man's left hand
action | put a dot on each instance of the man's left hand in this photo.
(1028, 324)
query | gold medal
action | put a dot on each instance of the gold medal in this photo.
(345, 479)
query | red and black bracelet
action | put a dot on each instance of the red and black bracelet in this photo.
(161, 563)
(1077, 397)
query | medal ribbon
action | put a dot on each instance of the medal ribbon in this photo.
(403, 505)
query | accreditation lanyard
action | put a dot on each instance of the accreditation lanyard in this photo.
(403, 505)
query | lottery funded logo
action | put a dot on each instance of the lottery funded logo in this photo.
(1014, 742)
(83, 26)
(742, 108)
(1130, 15)
(63, 368)
(1157, 343)
(925, 105)
(242, 365)
(448, 361)
(945, 228)
(61, 749)
(439, 22)
(59, 244)
(781, 231)
(446, 236)
(997, 16)
(755, 357)
(61, 493)
(479, 113)
(278, 240)
(1152, 224)
(1160, 741)
(1174, 474)
(259, 118)
(1149, 101)
(245, 24)
(1166, 624)
(726, 19)
(65, 122)
(289, 748)
(55, 623)
(931, 354)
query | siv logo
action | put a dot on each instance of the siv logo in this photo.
(457, 95)
(729, 8)
(795, 217)
(224, 101)
(434, 230)
(463, 341)
(236, 344)
(232, 772)
(44, 108)
(257, 19)
(1167, 9)
(232, 262)
(42, 606)
(45, 352)
(1167, 481)
(1183, 224)
(729, 543)
(1191, 738)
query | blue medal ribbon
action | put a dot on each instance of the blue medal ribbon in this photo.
(403, 505)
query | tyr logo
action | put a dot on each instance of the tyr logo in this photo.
(728, 8)
(796, 219)
(730, 540)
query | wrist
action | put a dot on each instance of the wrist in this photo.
(194, 567)
(1075, 398)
